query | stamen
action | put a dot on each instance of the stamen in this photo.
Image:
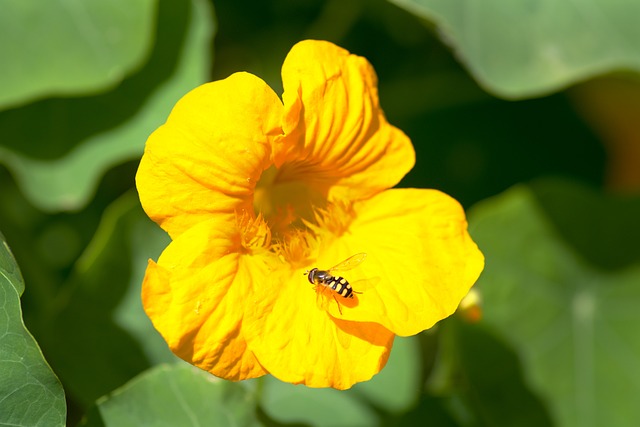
(297, 248)
(254, 231)
(335, 218)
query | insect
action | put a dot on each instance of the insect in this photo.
(339, 285)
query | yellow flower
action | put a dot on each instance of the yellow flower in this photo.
(255, 191)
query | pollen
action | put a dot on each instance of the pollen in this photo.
(297, 248)
(255, 233)
(335, 218)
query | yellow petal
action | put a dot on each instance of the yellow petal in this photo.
(420, 259)
(210, 153)
(337, 139)
(300, 343)
(196, 298)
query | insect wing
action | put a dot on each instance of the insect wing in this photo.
(349, 263)
(362, 285)
(321, 300)
(324, 297)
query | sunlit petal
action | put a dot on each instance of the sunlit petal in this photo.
(418, 251)
(301, 343)
(196, 297)
(210, 153)
(337, 138)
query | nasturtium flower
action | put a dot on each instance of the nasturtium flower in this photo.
(255, 190)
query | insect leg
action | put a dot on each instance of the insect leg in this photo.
(339, 308)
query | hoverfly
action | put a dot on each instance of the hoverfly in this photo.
(339, 285)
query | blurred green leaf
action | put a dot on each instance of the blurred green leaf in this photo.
(30, 393)
(98, 319)
(57, 149)
(527, 49)
(431, 411)
(68, 48)
(402, 374)
(318, 407)
(177, 395)
(480, 380)
(146, 240)
(601, 228)
(573, 325)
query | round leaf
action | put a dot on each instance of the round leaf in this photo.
(402, 374)
(318, 407)
(177, 395)
(59, 162)
(30, 393)
(519, 49)
(573, 325)
(61, 47)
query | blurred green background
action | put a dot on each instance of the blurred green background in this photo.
(527, 113)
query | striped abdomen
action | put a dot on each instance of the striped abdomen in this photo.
(338, 284)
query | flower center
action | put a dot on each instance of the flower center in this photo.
(285, 204)
(255, 234)
(297, 215)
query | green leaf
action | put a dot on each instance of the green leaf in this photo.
(9, 270)
(483, 379)
(600, 227)
(57, 149)
(145, 240)
(430, 411)
(572, 324)
(521, 49)
(477, 380)
(30, 393)
(402, 374)
(177, 395)
(318, 407)
(60, 47)
(99, 314)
